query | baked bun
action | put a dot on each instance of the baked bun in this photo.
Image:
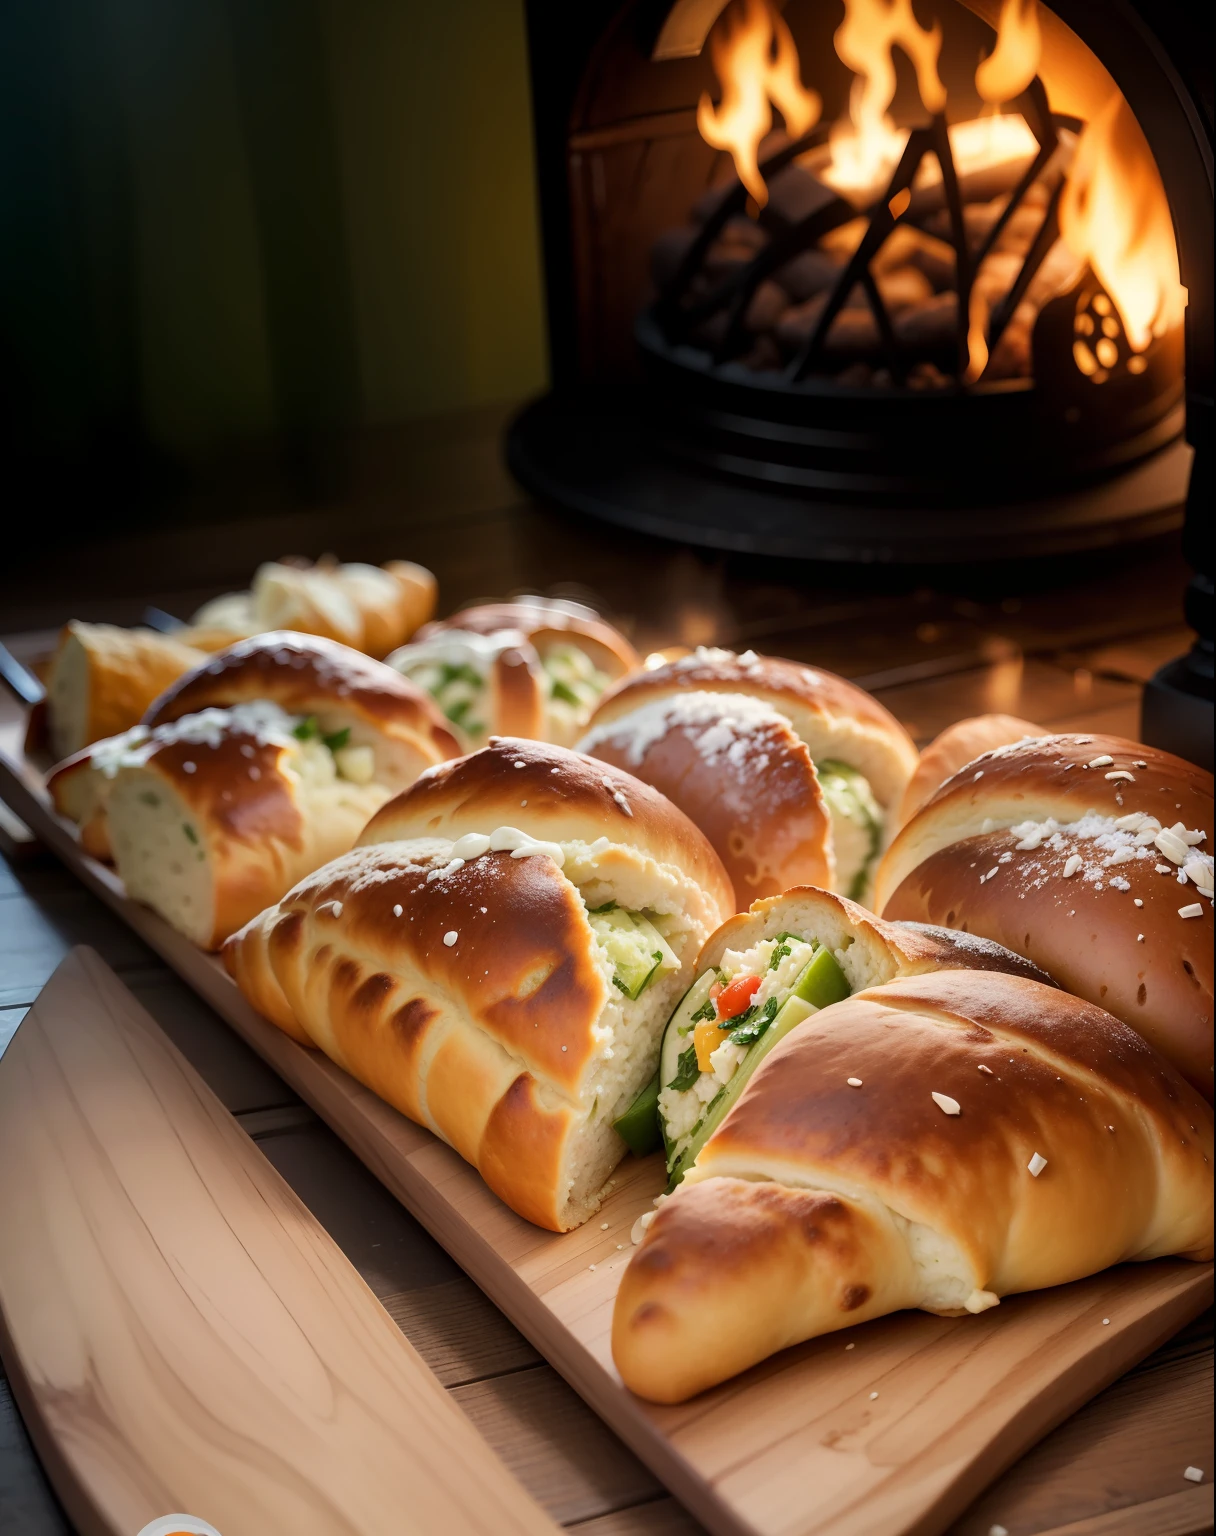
(534, 667)
(212, 817)
(102, 678)
(470, 961)
(954, 748)
(386, 730)
(371, 608)
(793, 773)
(1060, 848)
(938, 1142)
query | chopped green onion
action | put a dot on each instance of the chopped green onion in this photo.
(687, 1071)
(338, 739)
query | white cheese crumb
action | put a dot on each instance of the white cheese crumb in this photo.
(873, 1395)
(1036, 1165)
(1100, 762)
(946, 1104)
(450, 937)
(189, 767)
(1139, 938)
(397, 910)
(638, 1231)
(988, 1070)
(1072, 865)
(997, 1530)
(603, 1226)
(1137, 902)
(1106, 1322)
(1173, 846)
(1194, 909)
(590, 1266)
(1121, 773)
(853, 1082)
(850, 1346)
(520, 763)
(1194, 1474)
(978, 775)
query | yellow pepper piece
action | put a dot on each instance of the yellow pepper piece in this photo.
(707, 1037)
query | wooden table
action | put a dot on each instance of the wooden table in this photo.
(1067, 644)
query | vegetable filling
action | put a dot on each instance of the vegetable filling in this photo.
(856, 825)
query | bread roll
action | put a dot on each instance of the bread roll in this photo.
(371, 608)
(938, 1142)
(954, 748)
(792, 773)
(535, 667)
(102, 678)
(1061, 848)
(212, 817)
(461, 963)
(389, 730)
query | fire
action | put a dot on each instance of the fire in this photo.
(866, 148)
(757, 63)
(1014, 62)
(1114, 214)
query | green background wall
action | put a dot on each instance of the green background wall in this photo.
(221, 219)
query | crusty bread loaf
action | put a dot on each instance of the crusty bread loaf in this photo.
(954, 748)
(380, 717)
(371, 608)
(938, 1142)
(533, 667)
(1060, 848)
(102, 678)
(734, 740)
(211, 818)
(451, 963)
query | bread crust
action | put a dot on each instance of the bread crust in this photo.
(756, 797)
(125, 670)
(825, 710)
(1127, 1143)
(540, 620)
(1144, 963)
(954, 748)
(555, 795)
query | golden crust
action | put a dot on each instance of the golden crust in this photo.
(954, 748)
(487, 1040)
(126, 670)
(1085, 927)
(760, 804)
(555, 795)
(1127, 1144)
(305, 674)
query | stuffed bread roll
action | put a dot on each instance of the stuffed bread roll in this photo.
(371, 608)
(1092, 856)
(103, 678)
(938, 1142)
(379, 728)
(497, 960)
(761, 975)
(535, 667)
(795, 775)
(954, 748)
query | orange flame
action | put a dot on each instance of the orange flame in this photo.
(1014, 62)
(756, 61)
(1114, 214)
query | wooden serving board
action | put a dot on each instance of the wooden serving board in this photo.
(795, 1447)
(181, 1333)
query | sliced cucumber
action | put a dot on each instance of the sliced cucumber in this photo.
(637, 949)
(677, 1037)
(639, 1126)
(821, 981)
(794, 1011)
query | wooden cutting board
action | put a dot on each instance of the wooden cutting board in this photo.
(799, 1446)
(181, 1334)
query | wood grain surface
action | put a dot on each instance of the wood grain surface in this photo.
(180, 1332)
(797, 1445)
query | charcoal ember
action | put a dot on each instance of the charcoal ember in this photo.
(1011, 357)
(725, 258)
(927, 376)
(764, 309)
(931, 326)
(795, 194)
(853, 334)
(809, 273)
(907, 246)
(902, 287)
(740, 230)
(668, 251)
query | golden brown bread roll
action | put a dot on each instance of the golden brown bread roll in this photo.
(534, 667)
(1061, 848)
(389, 730)
(467, 961)
(371, 608)
(954, 748)
(102, 678)
(938, 1142)
(792, 773)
